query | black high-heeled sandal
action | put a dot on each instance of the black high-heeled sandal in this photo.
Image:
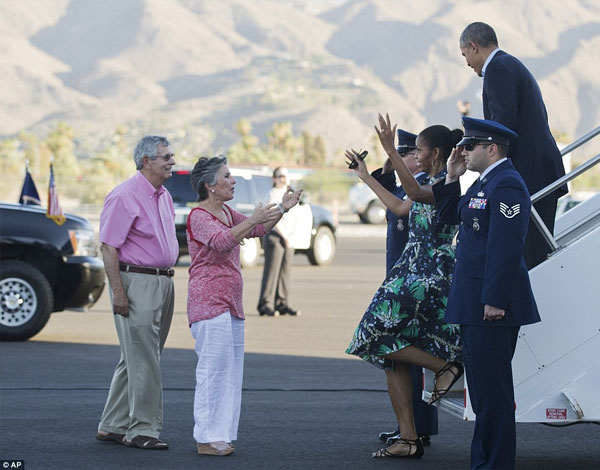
(439, 394)
(417, 444)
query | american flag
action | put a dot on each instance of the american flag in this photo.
(54, 211)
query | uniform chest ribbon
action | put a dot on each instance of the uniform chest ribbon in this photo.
(477, 203)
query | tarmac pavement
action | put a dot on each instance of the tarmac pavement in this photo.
(305, 405)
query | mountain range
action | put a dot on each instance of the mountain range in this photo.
(191, 68)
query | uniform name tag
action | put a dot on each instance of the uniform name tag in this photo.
(477, 203)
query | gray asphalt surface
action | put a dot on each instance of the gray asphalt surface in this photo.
(306, 405)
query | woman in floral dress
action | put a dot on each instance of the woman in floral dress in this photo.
(404, 324)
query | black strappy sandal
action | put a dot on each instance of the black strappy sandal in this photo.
(439, 394)
(417, 444)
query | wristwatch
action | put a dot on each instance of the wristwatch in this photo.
(282, 209)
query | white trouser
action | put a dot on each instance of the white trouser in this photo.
(219, 374)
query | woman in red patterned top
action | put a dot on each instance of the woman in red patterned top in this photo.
(214, 303)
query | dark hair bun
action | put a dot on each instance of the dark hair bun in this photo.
(457, 135)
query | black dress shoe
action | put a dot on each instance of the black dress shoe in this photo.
(391, 437)
(384, 436)
(288, 311)
(267, 312)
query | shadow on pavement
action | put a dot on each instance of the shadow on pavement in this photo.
(297, 413)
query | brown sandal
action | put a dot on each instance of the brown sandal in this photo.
(146, 442)
(215, 448)
(111, 437)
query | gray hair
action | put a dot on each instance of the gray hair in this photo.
(205, 173)
(479, 33)
(148, 147)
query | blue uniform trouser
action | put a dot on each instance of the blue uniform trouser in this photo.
(426, 418)
(488, 352)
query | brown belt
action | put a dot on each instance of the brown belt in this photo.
(132, 268)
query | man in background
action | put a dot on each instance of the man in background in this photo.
(279, 254)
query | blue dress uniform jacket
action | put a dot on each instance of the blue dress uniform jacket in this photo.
(396, 239)
(490, 269)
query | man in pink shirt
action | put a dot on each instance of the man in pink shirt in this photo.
(139, 247)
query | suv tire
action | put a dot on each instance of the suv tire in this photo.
(26, 301)
(322, 250)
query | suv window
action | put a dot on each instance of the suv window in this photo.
(263, 186)
(180, 187)
(242, 194)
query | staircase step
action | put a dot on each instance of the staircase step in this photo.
(453, 403)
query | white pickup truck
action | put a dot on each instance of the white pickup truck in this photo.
(315, 228)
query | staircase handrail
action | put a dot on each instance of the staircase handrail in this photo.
(568, 177)
(579, 142)
(537, 220)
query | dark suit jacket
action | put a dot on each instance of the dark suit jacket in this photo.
(512, 97)
(396, 239)
(490, 269)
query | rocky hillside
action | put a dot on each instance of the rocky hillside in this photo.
(192, 68)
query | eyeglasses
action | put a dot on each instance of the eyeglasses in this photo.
(166, 157)
(469, 147)
(279, 176)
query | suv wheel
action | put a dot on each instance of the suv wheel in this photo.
(26, 300)
(250, 252)
(322, 250)
(374, 214)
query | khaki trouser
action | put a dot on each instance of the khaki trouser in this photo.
(134, 403)
(275, 285)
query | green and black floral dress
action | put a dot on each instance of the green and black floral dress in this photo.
(409, 307)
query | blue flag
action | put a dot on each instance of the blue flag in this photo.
(29, 194)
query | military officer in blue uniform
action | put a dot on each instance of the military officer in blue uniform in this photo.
(397, 227)
(491, 295)
(426, 419)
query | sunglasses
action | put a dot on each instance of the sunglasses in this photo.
(166, 157)
(469, 147)
(279, 176)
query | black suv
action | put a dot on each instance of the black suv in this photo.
(44, 268)
(314, 237)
